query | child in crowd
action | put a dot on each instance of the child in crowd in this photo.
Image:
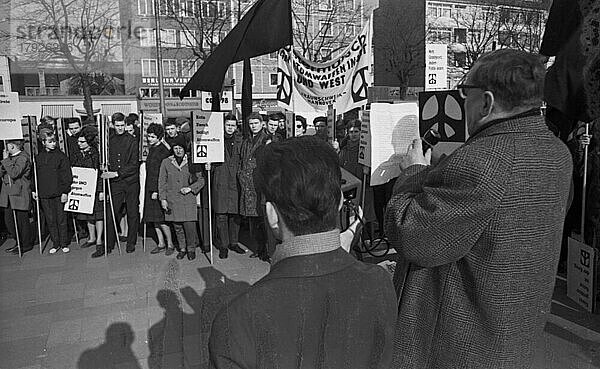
(54, 177)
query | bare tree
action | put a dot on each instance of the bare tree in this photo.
(83, 34)
(521, 29)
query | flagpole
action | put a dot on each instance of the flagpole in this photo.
(159, 66)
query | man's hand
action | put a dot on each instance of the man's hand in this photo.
(585, 140)
(101, 196)
(185, 190)
(109, 175)
(34, 195)
(347, 236)
(154, 196)
(414, 155)
(336, 145)
(64, 197)
(164, 204)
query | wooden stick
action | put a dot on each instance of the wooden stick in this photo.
(144, 240)
(75, 228)
(114, 217)
(210, 237)
(583, 195)
(17, 232)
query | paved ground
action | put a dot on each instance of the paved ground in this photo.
(151, 311)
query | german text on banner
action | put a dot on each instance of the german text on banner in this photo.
(208, 137)
(83, 191)
(10, 116)
(342, 82)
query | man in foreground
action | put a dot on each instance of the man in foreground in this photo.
(480, 233)
(318, 307)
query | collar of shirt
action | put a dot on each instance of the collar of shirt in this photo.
(15, 154)
(315, 243)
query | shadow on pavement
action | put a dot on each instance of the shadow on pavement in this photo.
(115, 350)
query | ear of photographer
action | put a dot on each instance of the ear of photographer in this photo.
(480, 233)
(318, 307)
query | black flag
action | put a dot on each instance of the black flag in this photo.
(265, 28)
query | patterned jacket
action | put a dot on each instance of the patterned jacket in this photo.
(481, 236)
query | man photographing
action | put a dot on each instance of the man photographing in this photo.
(318, 307)
(480, 233)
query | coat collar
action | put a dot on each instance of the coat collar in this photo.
(528, 122)
(174, 162)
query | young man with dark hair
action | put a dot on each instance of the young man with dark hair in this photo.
(320, 124)
(54, 178)
(272, 127)
(281, 119)
(318, 306)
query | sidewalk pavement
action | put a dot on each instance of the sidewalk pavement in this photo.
(152, 311)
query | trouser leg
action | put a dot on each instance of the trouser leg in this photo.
(257, 229)
(222, 233)
(179, 234)
(191, 235)
(116, 199)
(61, 221)
(133, 214)
(234, 221)
(49, 210)
(25, 231)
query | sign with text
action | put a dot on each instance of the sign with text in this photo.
(330, 124)
(208, 137)
(147, 119)
(226, 100)
(581, 275)
(436, 67)
(10, 116)
(83, 191)
(364, 148)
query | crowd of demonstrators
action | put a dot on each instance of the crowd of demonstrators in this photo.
(478, 235)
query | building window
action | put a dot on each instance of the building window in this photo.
(208, 44)
(443, 35)
(149, 68)
(187, 8)
(167, 7)
(460, 59)
(168, 38)
(188, 68)
(170, 67)
(325, 53)
(147, 37)
(187, 38)
(273, 79)
(144, 92)
(325, 28)
(439, 10)
(325, 5)
(350, 30)
(145, 7)
(460, 35)
(213, 9)
(252, 77)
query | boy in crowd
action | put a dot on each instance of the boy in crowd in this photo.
(54, 176)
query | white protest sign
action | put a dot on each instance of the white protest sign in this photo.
(226, 100)
(364, 148)
(208, 137)
(304, 85)
(147, 119)
(436, 67)
(83, 191)
(581, 270)
(393, 128)
(10, 116)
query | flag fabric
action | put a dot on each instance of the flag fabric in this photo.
(265, 28)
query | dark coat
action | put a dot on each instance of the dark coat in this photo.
(54, 174)
(482, 233)
(224, 186)
(172, 178)
(16, 181)
(156, 155)
(324, 310)
(88, 159)
(249, 203)
(123, 154)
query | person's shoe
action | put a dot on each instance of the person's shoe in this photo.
(170, 251)
(191, 255)
(265, 257)
(236, 248)
(181, 254)
(223, 253)
(88, 244)
(130, 248)
(98, 253)
(11, 249)
(157, 250)
(123, 238)
(65, 249)
(53, 250)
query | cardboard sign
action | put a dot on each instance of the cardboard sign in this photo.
(83, 191)
(226, 100)
(10, 116)
(290, 121)
(443, 111)
(364, 148)
(208, 137)
(330, 124)
(62, 136)
(29, 127)
(436, 67)
(147, 119)
(581, 271)
(393, 128)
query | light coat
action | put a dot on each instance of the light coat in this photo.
(171, 179)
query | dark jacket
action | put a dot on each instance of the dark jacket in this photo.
(54, 174)
(249, 203)
(156, 155)
(224, 187)
(324, 310)
(482, 232)
(88, 159)
(123, 156)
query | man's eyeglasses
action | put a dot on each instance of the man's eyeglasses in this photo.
(462, 89)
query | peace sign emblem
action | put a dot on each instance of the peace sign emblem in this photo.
(284, 88)
(359, 85)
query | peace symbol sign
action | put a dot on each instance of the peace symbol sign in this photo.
(444, 112)
(284, 89)
(359, 85)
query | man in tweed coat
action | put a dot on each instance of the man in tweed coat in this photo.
(479, 234)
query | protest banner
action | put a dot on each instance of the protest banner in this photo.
(364, 148)
(436, 67)
(304, 85)
(10, 116)
(226, 100)
(208, 137)
(83, 191)
(147, 119)
(581, 274)
(392, 128)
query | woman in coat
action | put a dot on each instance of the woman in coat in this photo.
(15, 194)
(177, 190)
(88, 156)
(153, 213)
